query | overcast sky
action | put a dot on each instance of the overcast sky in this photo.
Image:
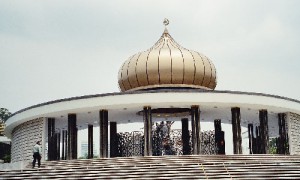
(58, 49)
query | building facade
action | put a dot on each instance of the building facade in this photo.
(165, 84)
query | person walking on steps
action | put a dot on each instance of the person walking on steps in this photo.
(37, 154)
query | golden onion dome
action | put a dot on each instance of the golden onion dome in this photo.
(167, 65)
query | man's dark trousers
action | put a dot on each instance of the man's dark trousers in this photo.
(36, 156)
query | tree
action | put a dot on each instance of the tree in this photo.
(273, 145)
(4, 114)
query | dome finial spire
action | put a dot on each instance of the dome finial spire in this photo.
(166, 22)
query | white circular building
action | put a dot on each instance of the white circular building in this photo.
(166, 86)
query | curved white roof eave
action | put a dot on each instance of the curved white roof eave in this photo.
(156, 98)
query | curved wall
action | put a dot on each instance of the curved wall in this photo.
(24, 137)
(294, 133)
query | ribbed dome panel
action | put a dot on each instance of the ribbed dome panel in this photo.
(207, 72)
(199, 68)
(189, 67)
(165, 66)
(132, 71)
(177, 66)
(141, 69)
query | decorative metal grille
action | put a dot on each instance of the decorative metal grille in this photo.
(132, 143)
(191, 143)
(176, 138)
(157, 143)
(208, 144)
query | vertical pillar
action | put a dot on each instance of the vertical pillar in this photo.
(51, 145)
(76, 144)
(72, 137)
(113, 139)
(257, 142)
(186, 149)
(263, 119)
(57, 136)
(236, 130)
(282, 134)
(217, 125)
(196, 132)
(90, 141)
(250, 137)
(219, 137)
(103, 133)
(64, 145)
(194, 140)
(44, 139)
(147, 131)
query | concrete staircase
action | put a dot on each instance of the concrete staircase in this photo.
(167, 167)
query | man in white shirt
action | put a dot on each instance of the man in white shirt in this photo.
(37, 154)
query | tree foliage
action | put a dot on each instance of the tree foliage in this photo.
(4, 114)
(273, 146)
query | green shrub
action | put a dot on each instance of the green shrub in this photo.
(7, 158)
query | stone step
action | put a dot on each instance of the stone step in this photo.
(166, 167)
